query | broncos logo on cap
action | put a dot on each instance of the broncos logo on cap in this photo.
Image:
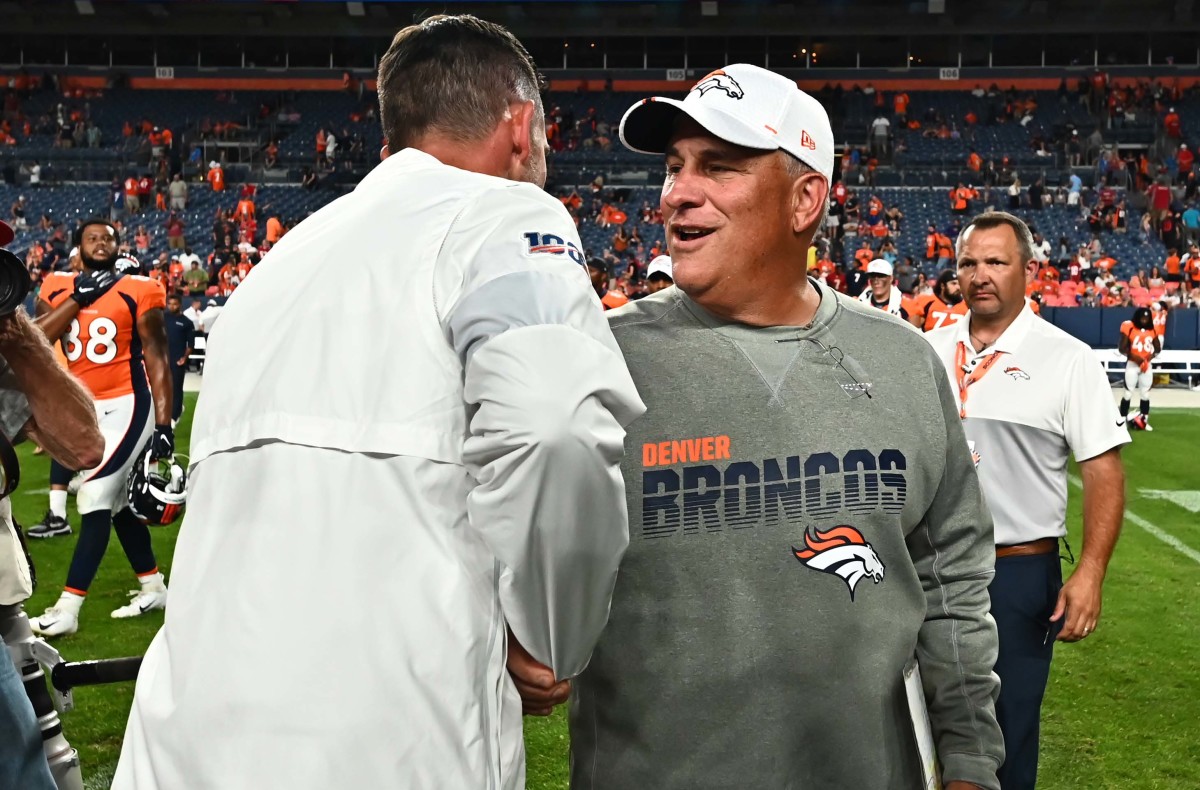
(842, 551)
(720, 81)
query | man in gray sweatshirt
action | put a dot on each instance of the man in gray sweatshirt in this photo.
(804, 511)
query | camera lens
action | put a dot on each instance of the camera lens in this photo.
(14, 282)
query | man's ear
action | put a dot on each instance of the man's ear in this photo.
(384, 152)
(810, 193)
(1031, 271)
(522, 116)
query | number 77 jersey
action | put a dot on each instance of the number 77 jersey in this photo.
(102, 345)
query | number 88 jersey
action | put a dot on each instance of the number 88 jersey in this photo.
(102, 345)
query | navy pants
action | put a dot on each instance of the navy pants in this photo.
(1024, 593)
(178, 374)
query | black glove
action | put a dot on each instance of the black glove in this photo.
(163, 443)
(90, 286)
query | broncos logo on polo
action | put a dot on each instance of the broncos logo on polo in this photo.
(719, 80)
(843, 552)
(1016, 373)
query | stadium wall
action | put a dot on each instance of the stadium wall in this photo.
(595, 80)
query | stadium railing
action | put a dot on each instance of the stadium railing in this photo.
(1184, 364)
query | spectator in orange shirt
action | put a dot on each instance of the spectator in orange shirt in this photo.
(158, 273)
(1105, 264)
(1184, 159)
(1172, 267)
(900, 105)
(620, 240)
(245, 209)
(132, 203)
(606, 215)
(945, 251)
(227, 278)
(974, 161)
(864, 254)
(1117, 296)
(274, 229)
(573, 200)
(175, 272)
(1172, 124)
(216, 176)
(960, 199)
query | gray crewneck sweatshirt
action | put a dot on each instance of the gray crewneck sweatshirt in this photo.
(793, 542)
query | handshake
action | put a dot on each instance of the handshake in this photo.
(535, 681)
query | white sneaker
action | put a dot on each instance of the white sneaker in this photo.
(143, 600)
(55, 622)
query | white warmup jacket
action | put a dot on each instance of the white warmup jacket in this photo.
(408, 437)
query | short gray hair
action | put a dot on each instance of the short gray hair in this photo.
(994, 219)
(453, 75)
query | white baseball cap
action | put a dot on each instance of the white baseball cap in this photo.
(879, 266)
(660, 265)
(744, 105)
(74, 252)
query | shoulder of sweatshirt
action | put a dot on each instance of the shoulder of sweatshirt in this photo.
(863, 323)
(650, 309)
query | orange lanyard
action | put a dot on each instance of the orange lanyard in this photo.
(965, 379)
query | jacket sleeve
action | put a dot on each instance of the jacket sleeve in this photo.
(954, 553)
(550, 397)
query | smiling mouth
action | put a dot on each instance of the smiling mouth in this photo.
(690, 233)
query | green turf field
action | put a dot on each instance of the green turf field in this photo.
(1123, 710)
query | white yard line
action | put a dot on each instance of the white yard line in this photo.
(1156, 531)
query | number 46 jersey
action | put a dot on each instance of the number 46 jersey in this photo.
(102, 345)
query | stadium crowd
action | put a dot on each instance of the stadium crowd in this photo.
(1129, 239)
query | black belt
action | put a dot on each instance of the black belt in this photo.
(1040, 546)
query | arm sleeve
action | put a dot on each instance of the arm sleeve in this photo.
(550, 396)
(954, 553)
(1089, 414)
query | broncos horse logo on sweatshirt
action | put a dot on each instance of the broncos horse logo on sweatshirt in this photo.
(842, 551)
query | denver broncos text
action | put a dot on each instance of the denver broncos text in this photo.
(744, 494)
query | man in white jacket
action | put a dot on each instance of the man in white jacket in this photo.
(391, 477)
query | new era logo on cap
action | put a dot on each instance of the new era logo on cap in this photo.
(744, 105)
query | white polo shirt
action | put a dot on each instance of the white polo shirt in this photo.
(1043, 397)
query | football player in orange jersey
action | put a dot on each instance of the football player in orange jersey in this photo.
(1139, 344)
(598, 272)
(945, 307)
(112, 331)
